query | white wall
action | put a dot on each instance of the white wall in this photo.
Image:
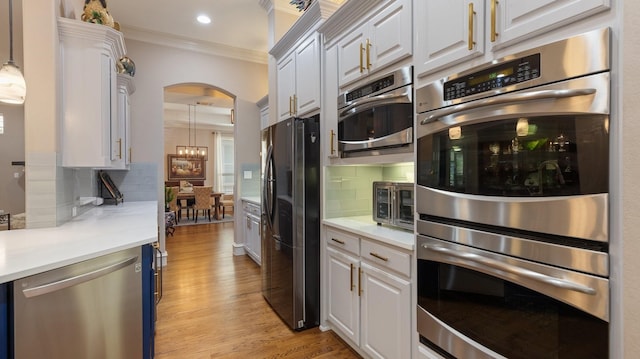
(158, 67)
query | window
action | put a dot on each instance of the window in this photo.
(224, 157)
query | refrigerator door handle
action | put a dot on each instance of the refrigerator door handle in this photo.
(269, 182)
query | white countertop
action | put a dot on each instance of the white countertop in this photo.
(100, 231)
(252, 199)
(365, 226)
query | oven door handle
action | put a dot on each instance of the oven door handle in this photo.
(543, 278)
(507, 99)
(369, 103)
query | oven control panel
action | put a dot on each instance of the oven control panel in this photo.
(498, 76)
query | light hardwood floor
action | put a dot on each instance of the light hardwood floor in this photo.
(212, 306)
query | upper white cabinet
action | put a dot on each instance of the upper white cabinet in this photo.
(299, 80)
(379, 41)
(298, 63)
(447, 33)
(89, 102)
(121, 151)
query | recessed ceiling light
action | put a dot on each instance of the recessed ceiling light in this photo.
(203, 19)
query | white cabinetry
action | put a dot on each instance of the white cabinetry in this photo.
(379, 41)
(88, 55)
(369, 294)
(252, 230)
(299, 80)
(450, 32)
(298, 62)
(121, 151)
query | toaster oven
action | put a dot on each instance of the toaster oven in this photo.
(393, 204)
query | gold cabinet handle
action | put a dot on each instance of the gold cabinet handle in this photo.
(379, 256)
(359, 281)
(333, 135)
(290, 106)
(361, 65)
(494, 34)
(338, 241)
(295, 104)
(368, 55)
(471, 15)
(351, 278)
(129, 154)
(120, 148)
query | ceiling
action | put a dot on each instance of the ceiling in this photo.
(238, 28)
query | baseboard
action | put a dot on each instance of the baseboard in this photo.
(238, 249)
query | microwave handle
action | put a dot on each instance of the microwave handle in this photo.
(371, 102)
(506, 99)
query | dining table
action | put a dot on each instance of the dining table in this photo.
(187, 195)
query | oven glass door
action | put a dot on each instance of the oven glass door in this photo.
(376, 122)
(504, 317)
(404, 205)
(559, 155)
(383, 204)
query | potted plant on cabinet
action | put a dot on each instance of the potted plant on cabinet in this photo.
(168, 197)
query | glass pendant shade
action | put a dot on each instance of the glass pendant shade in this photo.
(13, 88)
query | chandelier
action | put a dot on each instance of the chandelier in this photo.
(192, 151)
(13, 88)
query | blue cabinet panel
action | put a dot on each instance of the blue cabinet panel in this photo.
(4, 321)
(148, 302)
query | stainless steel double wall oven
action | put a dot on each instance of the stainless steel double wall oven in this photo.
(512, 197)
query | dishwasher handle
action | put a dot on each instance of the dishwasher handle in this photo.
(84, 277)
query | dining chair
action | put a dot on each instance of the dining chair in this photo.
(174, 205)
(226, 201)
(202, 202)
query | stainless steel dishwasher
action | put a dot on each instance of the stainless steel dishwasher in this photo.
(92, 309)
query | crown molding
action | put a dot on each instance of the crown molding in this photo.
(95, 34)
(344, 17)
(318, 11)
(183, 43)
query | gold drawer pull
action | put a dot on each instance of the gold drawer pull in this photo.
(351, 277)
(338, 241)
(379, 256)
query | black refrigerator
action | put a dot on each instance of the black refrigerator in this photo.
(291, 220)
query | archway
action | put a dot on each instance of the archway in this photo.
(198, 115)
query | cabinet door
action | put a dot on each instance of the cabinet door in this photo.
(390, 35)
(119, 130)
(286, 80)
(351, 56)
(518, 19)
(4, 320)
(343, 300)
(307, 86)
(386, 314)
(329, 121)
(447, 32)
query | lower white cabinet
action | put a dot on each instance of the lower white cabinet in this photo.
(369, 294)
(252, 230)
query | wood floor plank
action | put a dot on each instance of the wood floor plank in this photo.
(212, 306)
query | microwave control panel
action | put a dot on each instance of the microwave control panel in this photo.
(370, 88)
(498, 76)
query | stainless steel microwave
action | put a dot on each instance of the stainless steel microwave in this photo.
(377, 117)
(393, 203)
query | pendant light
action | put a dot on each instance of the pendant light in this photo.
(194, 151)
(13, 88)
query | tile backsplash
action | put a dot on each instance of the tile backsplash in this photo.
(348, 189)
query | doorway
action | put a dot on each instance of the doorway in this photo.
(199, 123)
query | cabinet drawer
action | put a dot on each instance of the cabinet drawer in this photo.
(251, 208)
(345, 241)
(386, 257)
